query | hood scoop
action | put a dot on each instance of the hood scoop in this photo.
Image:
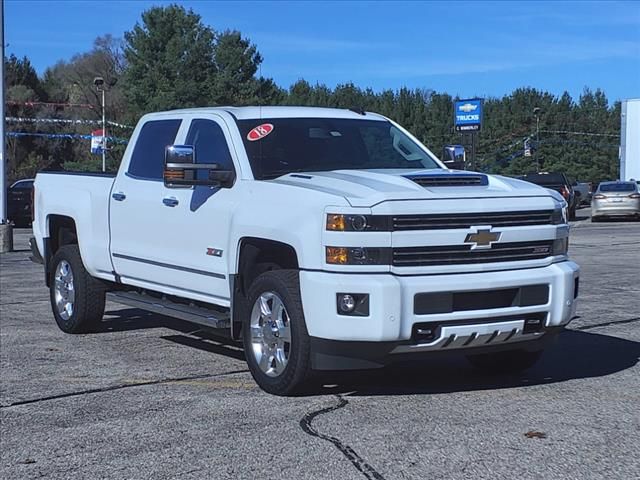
(450, 180)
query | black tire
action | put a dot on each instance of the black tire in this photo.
(89, 293)
(572, 213)
(511, 361)
(595, 219)
(297, 372)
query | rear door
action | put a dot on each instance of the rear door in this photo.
(137, 214)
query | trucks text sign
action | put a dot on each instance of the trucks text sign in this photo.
(467, 115)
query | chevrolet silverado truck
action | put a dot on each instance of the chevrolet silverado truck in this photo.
(323, 239)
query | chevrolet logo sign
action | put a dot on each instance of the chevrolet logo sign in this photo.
(467, 107)
(482, 238)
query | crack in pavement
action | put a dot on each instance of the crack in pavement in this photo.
(121, 387)
(606, 324)
(356, 460)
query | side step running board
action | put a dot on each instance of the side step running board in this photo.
(191, 313)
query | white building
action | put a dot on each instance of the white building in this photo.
(630, 140)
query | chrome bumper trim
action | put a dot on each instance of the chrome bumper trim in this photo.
(469, 336)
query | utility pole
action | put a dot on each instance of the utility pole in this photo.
(6, 231)
(100, 86)
(104, 135)
(536, 112)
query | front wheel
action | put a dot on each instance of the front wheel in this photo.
(275, 337)
(77, 299)
(512, 361)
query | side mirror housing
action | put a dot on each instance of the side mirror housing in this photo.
(181, 171)
(454, 165)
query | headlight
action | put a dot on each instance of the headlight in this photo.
(561, 246)
(358, 256)
(559, 216)
(358, 223)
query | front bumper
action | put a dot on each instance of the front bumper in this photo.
(392, 323)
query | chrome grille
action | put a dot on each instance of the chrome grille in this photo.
(462, 254)
(467, 220)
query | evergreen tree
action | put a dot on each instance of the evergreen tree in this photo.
(170, 61)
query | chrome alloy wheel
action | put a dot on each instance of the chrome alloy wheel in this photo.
(64, 291)
(270, 334)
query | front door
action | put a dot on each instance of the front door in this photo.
(173, 240)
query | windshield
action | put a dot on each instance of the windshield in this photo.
(279, 146)
(617, 187)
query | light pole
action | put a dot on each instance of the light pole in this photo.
(536, 112)
(6, 231)
(99, 83)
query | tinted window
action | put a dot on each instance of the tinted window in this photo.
(618, 187)
(147, 160)
(546, 178)
(210, 145)
(23, 185)
(279, 146)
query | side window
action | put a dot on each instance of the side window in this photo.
(147, 160)
(207, 138)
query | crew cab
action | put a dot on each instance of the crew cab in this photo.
(324, 239)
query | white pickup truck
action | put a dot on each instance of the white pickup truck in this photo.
(324, 239)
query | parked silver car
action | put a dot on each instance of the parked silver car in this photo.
(616, 199)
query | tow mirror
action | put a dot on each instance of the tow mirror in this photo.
(181, 171)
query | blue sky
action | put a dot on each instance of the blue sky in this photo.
(462, 48)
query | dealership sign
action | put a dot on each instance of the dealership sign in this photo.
(467, 115)
(97, 141)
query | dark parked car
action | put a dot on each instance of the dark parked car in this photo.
(19, 201)
(560, 183)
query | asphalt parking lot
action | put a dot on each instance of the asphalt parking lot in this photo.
(152, 397)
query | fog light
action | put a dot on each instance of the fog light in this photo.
(346, 303)
(352, 304)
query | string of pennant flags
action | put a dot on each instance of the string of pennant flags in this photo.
(96, 137)
(64, 121)
(68, 136)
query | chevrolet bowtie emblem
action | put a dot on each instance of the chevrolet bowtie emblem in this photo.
(482, 238)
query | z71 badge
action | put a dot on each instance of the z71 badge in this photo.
(214, 252)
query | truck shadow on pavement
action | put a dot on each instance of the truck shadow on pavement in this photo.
(188, 334)
(575, 354)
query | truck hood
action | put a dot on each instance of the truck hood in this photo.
(367, 188)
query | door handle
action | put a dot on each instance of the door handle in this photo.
(170, 201)
(119, 196)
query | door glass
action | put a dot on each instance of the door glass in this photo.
(147, 160)
(207, 138)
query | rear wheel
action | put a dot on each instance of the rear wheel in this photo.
(275, 337)
(77, 299)
(512, 361)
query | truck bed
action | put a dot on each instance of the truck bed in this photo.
(85, 198)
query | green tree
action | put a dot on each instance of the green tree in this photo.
(170, 61)
(237, 61)
(19, 71)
